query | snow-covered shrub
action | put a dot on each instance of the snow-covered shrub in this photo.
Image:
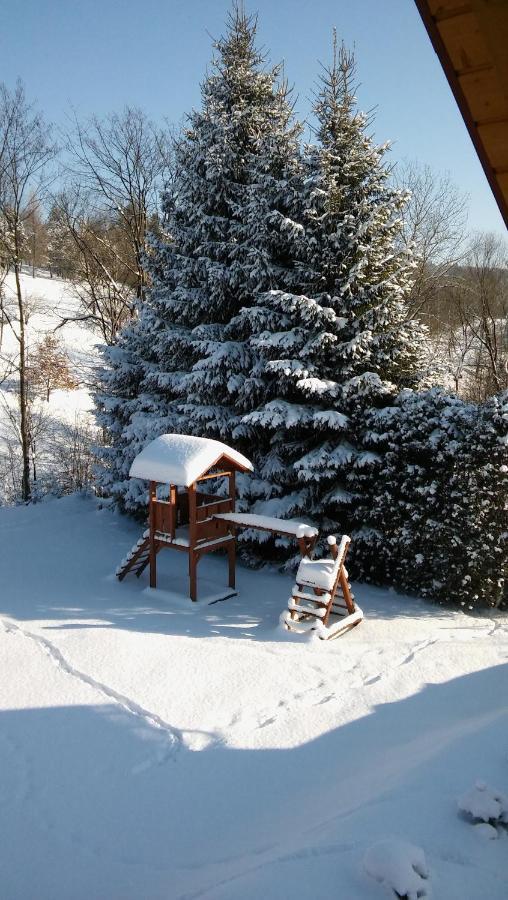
(399, 866)
(484, 804)
(433, 516)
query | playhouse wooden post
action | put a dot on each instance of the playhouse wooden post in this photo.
(232, 563)
(153, 553)
(173, 499)
(232, 544)
(193, 559)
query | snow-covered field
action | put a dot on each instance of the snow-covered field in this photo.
(154, 748)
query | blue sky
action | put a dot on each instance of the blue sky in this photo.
(98, 55)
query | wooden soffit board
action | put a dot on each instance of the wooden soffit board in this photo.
(471, 41)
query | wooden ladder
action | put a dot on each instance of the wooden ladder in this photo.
(137, 558)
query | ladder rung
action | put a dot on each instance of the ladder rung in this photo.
(307, 610)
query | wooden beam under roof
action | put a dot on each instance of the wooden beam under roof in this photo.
(471, 41)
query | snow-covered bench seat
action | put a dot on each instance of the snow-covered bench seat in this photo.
(270, 523)
(306, 534)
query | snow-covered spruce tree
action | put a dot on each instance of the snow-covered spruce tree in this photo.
(176, 368)
(340, 343)
(435, 507)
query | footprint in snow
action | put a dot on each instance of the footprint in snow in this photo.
(269, 721)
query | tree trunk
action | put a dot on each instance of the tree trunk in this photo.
(25, 438)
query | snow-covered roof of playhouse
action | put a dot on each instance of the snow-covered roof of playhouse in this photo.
(182, 458)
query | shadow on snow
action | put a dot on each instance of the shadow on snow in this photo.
(97, 802)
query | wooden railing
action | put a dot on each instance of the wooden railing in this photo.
(164, 517)
(208, 528)
(168, 516)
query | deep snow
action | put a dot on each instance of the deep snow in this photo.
(154, 748)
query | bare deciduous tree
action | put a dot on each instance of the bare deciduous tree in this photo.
(36, 240)
(483, 311)
(117, 170)
(434, 225)
(471, 336)
(99, 275)
(72, 450)
(26, 150)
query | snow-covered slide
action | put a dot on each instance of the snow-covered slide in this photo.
(305, 534)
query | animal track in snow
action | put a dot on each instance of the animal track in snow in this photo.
(173, 735)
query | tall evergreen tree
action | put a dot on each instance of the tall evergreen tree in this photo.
(177, 368)
(342, 343)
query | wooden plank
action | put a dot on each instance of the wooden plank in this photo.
(346, 591)
(210, 530)
(173, 496)
(443, 8)
(502, 177)
(232, 489)
(483, 92)
(494, 138)
(450, 10)
(464, 41)
(493, 20)
(191, 493)
(164, 516)
(213, 475)
(207, 510)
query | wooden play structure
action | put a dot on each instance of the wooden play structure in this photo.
(322, 599)
(184, 517)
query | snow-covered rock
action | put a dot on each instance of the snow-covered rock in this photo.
(483, 803)
(486, 832)
(399, 866)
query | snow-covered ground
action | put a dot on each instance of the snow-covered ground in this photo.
(154, 748)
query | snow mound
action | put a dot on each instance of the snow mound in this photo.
(486, 832)
(484, 804)
(399, 866)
